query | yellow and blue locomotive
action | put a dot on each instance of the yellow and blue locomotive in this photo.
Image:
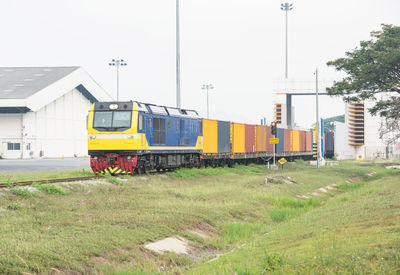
(133, 137)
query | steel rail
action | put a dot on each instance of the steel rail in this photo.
(26, 183)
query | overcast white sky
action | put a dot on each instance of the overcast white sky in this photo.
(236, 45)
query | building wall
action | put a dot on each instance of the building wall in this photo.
(11, 127)
(54, 131)
(373, 147)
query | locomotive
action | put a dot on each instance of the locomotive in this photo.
(133, 137)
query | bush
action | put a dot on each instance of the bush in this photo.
(22, 192)
(14, 206)
(50, 189)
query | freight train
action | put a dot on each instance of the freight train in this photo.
(134, 137)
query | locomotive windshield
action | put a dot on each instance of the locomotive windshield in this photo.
(112, 120)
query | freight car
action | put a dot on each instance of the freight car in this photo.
(133, 137)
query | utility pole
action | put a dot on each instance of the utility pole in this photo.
(117, 63)
(286, 7)
(207, 87)
(317, 124)
(178, 60)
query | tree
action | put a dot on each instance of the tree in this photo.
(371, 69)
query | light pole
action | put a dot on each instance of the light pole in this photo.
(207, 87)
(178, 60)
(117, 63)
(317, 114)
(286, 7)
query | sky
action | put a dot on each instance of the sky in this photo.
(236, 45)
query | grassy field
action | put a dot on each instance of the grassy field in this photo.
(261, 228)
(9, 177)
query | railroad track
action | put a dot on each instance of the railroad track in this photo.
(25, 183)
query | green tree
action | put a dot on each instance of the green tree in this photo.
(372, 68)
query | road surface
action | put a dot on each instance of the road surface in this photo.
(43, 164)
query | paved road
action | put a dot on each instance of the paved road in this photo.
(43, 164)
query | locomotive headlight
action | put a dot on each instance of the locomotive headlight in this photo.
(95, 158)
(92, 137)
(113, 106)
(129, 157)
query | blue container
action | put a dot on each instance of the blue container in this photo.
(280, 135)
(224, 137)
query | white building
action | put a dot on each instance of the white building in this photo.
(358, 137)
(43, 111)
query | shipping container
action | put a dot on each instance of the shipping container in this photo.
(270, 147)
(250, 138)
(280, 134)
(287, 142)
(237, 138)
(308, 141)
(302, 141)
(294, 140)
(210, 136)
(261, 138)
(224, 137)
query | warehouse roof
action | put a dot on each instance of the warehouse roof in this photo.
(22, 82)
(30, 88)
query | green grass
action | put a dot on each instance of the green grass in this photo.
(10, 177)
(356, 235)
(102, 228)
(50, 189)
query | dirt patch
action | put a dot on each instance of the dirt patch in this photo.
(84, 183)
(199, 233)
(323, 190)
(280, 180)
(176, 244)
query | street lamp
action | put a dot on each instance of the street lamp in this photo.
(178, 59)
(286, 7)
(207, 87)
(117, 63)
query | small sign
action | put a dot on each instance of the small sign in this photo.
(282, 161)
(274, 141)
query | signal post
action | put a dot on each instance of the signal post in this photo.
(274, 141)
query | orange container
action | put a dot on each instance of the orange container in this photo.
(261, 138)
(210, 136)
(237, 138)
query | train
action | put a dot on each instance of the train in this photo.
(134, 138)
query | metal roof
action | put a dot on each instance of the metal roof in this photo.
(22, 82)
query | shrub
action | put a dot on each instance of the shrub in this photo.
(50, 189)
(14, 206)
(22, 192)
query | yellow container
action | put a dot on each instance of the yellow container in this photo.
(294, 141)
(210, 136)
(237, 138)
(261, 138)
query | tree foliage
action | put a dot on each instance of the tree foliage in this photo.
(372, 68)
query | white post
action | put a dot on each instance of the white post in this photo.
(317, 114)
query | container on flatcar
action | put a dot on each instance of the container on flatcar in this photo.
(287, 141)
(269, 147)
(261, 138)
(329, 144)
(250, 138)
(280, 134)
(302, 141)
(224, 137)
(237, 138)
(210, 136)
(308, 141)
(294, 141)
